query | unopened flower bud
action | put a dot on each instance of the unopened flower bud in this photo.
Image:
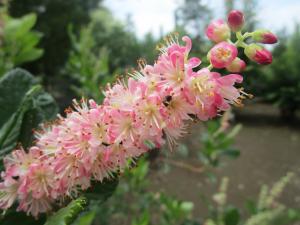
(222, 54)
(264, 36)
(258, 54)
(235, 20)
(237, 66)
(218, 31)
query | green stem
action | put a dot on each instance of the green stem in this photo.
(241, 38)
(210, 67)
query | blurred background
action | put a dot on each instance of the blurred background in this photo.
(74, 47)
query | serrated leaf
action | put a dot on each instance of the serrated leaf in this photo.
(13, 87)
(68, 214)
(23, 106)
(10, 131)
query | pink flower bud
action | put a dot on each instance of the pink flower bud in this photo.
(237, 66)
(236, 20)
(222, 54)
(218, 31)
(258, 54)
(264, 36)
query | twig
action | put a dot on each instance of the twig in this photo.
(183, 165)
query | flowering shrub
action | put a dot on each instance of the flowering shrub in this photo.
(94, 142)
(18, 41)
(267, 209)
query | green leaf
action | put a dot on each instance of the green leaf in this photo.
(251, 206)
(16, 28)
(67, 215)
(236, 129)
(144, 219)
(26, 106)
(187, 206)
(28, 55)
(232, 216)
(85, 218)
(10, 131)
(13, 88)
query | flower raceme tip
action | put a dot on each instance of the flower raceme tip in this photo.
(224, 53)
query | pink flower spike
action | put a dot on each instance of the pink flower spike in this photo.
(218, 31)
(238, 65)
(226, 90)
(9, 192)
(222, 54)
(94, 142)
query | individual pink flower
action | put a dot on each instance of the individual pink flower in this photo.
(124, 126)
(237, 65)
(173, 132)
(258, 54)
(148, 114)
(174, 66)
(178, 109)
(218, 31)
(70, 174)
(102, 166)
(33, 206)
(236, 20)
(124, 95)
(8, 191)
(200, 93)
(222, 54)
(49, 139)
(39, 181)
(18, 162)
(227, 91)
(264, 36)
(150, 78)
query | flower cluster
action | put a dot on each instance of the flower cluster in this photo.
(93, 142)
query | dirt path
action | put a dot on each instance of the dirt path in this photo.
(269, 149)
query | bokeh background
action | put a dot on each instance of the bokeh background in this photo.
(86, 43)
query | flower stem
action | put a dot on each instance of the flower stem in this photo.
(210, 67)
